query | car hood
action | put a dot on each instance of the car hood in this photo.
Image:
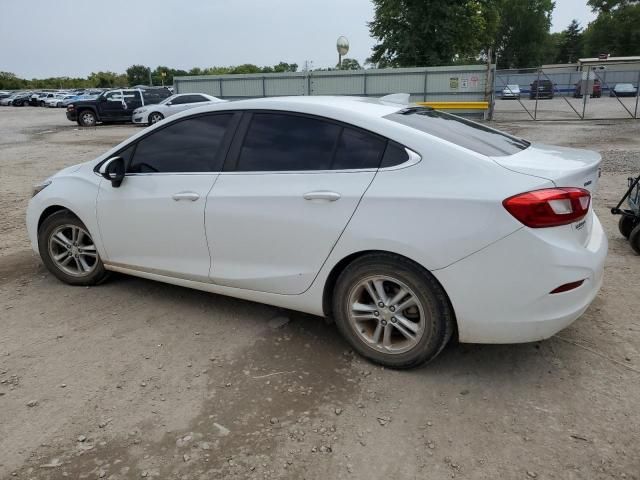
(565, 167)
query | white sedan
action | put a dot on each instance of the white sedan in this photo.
(150, 114)
(404, 224)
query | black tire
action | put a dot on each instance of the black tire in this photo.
(155, 117)
(626, 225)
(634, 239)
(437, 318)
(58, 223)
(41, 103)
(86, 118)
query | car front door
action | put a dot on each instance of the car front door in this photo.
(296, 180)
(154, 221)
(111, 105)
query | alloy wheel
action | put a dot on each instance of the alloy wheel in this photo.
(73, 251)
(155, 118)
(386, 314)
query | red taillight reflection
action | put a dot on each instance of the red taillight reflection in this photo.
(550, 207)
(567, 286)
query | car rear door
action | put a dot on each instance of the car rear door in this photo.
(154, 221)
(290, 186)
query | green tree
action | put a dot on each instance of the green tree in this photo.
(570, 47)
(10, 81)
(431, 32)
(245, 68)
(285, 67)
(138, 75)
(349, 64)
(615, 30)
(107, 80)
(523, 32)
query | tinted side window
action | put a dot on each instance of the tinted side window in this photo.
(358, 149)
(278, 142)
(188, 145)
(197, 99)
(180, 100)
(394, 155)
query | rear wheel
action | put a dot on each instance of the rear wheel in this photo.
(155, 117)
(87, 118)
(68, 251)
(392, 311)
(626, 224)
(634, 239)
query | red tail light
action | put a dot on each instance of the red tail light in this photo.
(550, 207)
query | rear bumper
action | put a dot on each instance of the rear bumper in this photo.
(501, 294)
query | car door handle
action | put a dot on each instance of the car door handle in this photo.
(322, 195)
(193, 196)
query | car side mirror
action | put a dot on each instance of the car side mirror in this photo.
(113, 170)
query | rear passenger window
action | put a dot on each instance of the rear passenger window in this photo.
(395, 154)
(357, 149)
(189, 145)
(280, 142)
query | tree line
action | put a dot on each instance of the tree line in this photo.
(441, 32)
(143, 75)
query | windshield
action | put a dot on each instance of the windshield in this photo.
(460, 131)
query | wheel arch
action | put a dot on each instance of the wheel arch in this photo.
(50, 210)
(338, 268)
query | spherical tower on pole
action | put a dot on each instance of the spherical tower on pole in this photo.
(342, 46)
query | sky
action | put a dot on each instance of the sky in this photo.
(76, 37)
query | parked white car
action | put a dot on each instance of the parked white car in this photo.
(511, 91)
(150, 114)
(56, 100)
(403, 223)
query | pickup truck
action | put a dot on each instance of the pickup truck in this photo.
(113, 105)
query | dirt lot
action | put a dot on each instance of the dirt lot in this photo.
(138, 379)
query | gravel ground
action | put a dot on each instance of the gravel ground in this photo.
(138, 379)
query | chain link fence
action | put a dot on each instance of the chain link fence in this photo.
(567, 93)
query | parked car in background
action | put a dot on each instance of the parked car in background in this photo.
(623, 90)
(150, 114)
(75, 98)
(21, 99)
(511, 91)
(114, 105)
(5, 95)
(6, 101)
(405, 224)
(595, 85)
(541, 89)
(57, 100)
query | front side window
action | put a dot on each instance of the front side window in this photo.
(460, 131)
(281, 142)
(189, 145)
(197, 99)
(115, 96)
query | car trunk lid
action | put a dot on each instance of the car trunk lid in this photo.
(565, 167)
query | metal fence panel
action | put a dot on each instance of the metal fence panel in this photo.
(431, 83)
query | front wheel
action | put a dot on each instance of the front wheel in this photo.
(68, 251)
(87, 118)
(392, 311)
(155, 117)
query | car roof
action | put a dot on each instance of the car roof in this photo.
(320, 105)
